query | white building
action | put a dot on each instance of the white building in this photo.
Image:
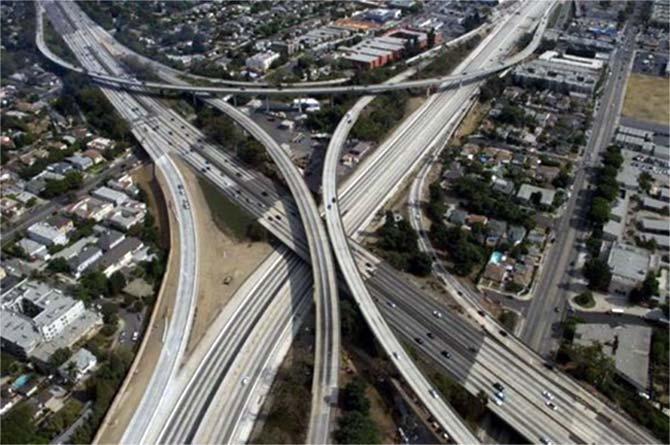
(81, 363)
(629, 266)
(107, 194)
(43, 233)
(261, 62)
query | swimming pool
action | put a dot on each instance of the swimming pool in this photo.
(20, 381)
(496, 257)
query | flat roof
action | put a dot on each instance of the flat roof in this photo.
(629, 262)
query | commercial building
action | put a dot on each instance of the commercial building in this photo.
(261, 62)
(382, 15)
(628, 345)
(375, 52)
(629, 266)
(564, 74)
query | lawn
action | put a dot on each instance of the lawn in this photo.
(647, 98)
(228, 217)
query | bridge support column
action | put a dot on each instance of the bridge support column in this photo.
(267, 104)
(234, 100)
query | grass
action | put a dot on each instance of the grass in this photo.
(228, 217)
(647, 99)
(585, 300)
(508, 319)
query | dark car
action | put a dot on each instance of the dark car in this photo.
(418, 340)
(445, 354)
(430, 335)
(498, 386)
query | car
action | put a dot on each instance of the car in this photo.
(396, 356)
(503, 333)
(437, 314)
(551, 405)
(546, 441)
(499, 396)
(418, 340)
(430, 335)
(264, 193)
(498, 386)
(245, 381)
(392, 304)
(136, 335)
(445, 354)
(497, 401)
(547, 395)
(334, 199)
(433, 393)
(556, 309)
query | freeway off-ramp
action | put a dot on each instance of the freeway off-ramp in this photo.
(286, 224)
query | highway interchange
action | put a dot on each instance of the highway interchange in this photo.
(257, 195)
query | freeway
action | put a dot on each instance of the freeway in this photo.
(248, 196)
(326, 366)
(126, 81)
(441, 411)
(548, 306)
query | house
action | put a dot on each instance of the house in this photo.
(107, 194)
(516, 234)
(504, 186)
(80, 163)
(496, 229)
(43, 233)
(119, 256)
(528, 193)
(458, 217)
(34, 250)
(94, 156)
(124, 184)
(81, 363)
(90, 208)
(495, 273)
(470, 220)
(110, 238)
(128, 215)
(60, 168)
(86, 257)
(62, 224)
(100, 144)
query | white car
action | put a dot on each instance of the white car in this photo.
(136, 335)
(437, 314)
(547, 395)
(245, 381)
(392, 304)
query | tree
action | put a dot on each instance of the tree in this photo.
(95, 284)
(59, 357)
(356, 428)
(585, 299)
(354, 398)
(599, 213)
(58, 265)
(256, 232)
(420, 264)
(18, 426)
(598, 273)
(116, 283)
(645, 290)
(645, 181)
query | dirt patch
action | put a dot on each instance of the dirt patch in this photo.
(470, 123)
(647, 99)
(225, 260)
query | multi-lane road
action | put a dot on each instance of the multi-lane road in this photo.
(549, 304)
(390, 286)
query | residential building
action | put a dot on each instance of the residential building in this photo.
(527, 191)
(45, 234)
(110, 195)
(90, 208)
(129, 214)
(38, 319)
(659, 226)
(81, 363)
(88, 255)
(80, 163)
(119, 256)
(110, 238)
(100, 144)
(34, 250)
